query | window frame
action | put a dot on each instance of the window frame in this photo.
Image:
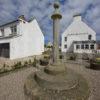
(2, 31)
(92, 47)
(86, 46)
(65, 38)
(65, 46)
(13, 29)
(82, 46)
(77, 46)
(90, 37)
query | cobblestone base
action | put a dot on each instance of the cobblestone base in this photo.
(66, 86)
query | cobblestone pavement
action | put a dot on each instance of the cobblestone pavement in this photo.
(11, 85)
(92, 76)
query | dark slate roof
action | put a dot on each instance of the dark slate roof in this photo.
(92, 41)
(77, 14)
(31, 19)
(14, 21)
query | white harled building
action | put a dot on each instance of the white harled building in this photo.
(21, 38)
(78, 37)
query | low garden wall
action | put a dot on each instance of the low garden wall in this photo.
(7, 65)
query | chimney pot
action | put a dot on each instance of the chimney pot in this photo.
(77, 17)
(21, 17)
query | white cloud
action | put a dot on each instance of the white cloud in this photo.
(42, 10)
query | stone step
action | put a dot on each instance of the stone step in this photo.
(55, 69)
(62, 81)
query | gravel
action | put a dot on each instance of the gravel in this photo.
(93, 78)
(11, 85)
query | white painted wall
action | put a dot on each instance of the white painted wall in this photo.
(28, 42)
(7, 31)
(31, 41)
(77, 31)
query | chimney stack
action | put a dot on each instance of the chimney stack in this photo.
(21, 17)
(77, 17)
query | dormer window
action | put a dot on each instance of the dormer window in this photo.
(2, 31)
(13, 29)
(90, 37)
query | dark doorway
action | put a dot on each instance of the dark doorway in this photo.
(4, 50)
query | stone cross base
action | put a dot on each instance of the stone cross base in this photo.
(56, 83)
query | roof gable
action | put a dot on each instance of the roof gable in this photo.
(79, 27)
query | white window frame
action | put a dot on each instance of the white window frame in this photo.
(13, 29)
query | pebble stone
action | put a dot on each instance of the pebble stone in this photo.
(11, 85)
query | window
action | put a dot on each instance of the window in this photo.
(2, 31)
(14, 29)
(65, 46)
(86, 46)
(65, 38)
(92, 46)
(90, 37)
(82, 46)
(77, 46)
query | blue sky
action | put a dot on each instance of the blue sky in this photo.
(42, 10)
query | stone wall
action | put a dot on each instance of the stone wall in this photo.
(78, 56)
(9, 62)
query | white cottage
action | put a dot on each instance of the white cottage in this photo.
(21, 38)
(78, 37)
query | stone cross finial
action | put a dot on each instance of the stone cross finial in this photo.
(56, 4)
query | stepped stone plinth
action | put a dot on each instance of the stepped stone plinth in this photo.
(67, 85)
(56, 81)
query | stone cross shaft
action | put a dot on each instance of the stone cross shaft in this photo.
(56, 27)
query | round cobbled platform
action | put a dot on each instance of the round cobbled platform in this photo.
(52, 84)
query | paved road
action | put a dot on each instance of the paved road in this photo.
(11, 85)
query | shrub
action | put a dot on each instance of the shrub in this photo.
(30, 61)
(17, 65)
(85, 56)
(3, 68)
(4, 65)
(47, 57)
(25, 63)
(35, 62)
(60, 56)
(95, 63)
(48, 52)
(6, 68)
(44, 62)
(72, 57)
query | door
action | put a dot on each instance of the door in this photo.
(4, 50)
